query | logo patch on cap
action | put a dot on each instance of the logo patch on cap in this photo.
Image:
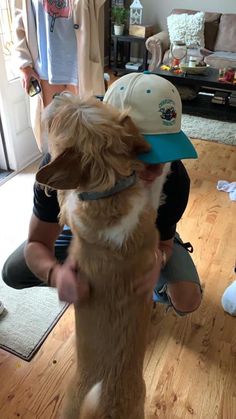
(168, 112)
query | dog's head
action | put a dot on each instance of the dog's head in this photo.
(92, 145)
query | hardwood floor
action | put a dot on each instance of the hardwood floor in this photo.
(190, 364)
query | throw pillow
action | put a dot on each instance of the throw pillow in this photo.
(187, 28)
(226, 37)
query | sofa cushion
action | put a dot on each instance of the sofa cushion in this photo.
(211, 29)
(226, 37)
(188, 28)
(211, 25)
(221, 59)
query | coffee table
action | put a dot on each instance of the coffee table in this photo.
(206, 84)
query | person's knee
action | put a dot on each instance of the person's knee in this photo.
(9, 273)
(186, 297)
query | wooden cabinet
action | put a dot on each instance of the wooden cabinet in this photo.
(121, 54)
(120, 46)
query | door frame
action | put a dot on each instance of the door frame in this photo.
(21, 147)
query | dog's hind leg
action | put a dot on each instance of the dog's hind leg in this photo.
(72, 403)
(91, 403)
(77, 408)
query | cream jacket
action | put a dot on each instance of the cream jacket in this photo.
(86, 15)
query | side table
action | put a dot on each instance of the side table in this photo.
(118, 67)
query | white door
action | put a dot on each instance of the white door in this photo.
(20, 144)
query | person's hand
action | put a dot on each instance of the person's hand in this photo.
(28, 73)
(146, 284)
(70, 286)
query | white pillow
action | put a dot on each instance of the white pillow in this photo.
(187, 28)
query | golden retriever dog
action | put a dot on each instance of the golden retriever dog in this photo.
(108, 208)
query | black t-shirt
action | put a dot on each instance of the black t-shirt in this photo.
(176, 189)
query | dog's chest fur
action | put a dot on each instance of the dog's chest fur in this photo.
(113, 230)
(125, 222)
(114, 242)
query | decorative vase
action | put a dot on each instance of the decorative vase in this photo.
(178, 53)
(119, 29)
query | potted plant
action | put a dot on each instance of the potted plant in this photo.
(119, 18)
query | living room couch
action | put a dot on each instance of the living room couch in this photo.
(218, 51)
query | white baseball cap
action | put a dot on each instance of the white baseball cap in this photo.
(154, 104)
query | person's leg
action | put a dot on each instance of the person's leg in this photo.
(179, 284)
(15, 272)
(49, 90)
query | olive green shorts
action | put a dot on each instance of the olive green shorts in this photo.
(180, 267)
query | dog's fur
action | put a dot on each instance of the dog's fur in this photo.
(114, 239)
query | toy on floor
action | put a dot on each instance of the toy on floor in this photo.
(223, 185)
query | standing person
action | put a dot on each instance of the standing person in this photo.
(155, 106)
(57, 43)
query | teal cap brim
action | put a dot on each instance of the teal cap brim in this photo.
(167, 148)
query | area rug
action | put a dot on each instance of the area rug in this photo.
(28, 318)
(209, 129)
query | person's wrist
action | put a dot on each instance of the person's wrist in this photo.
(51, 275)
(26, 70)
(162, 257)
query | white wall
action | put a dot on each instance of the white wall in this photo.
(156, 11)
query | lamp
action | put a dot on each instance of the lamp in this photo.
(136, 13)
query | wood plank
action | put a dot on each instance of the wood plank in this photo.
(190, 364)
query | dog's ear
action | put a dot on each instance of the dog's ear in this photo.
(136, 141)
(63, 172)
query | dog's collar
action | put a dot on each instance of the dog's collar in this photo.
(121, 184)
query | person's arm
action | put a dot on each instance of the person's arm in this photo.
(165, 250)
(40, 258)
(176, 190)
(21, 50)
(39, 250)
(163, 253)
(27, 74)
